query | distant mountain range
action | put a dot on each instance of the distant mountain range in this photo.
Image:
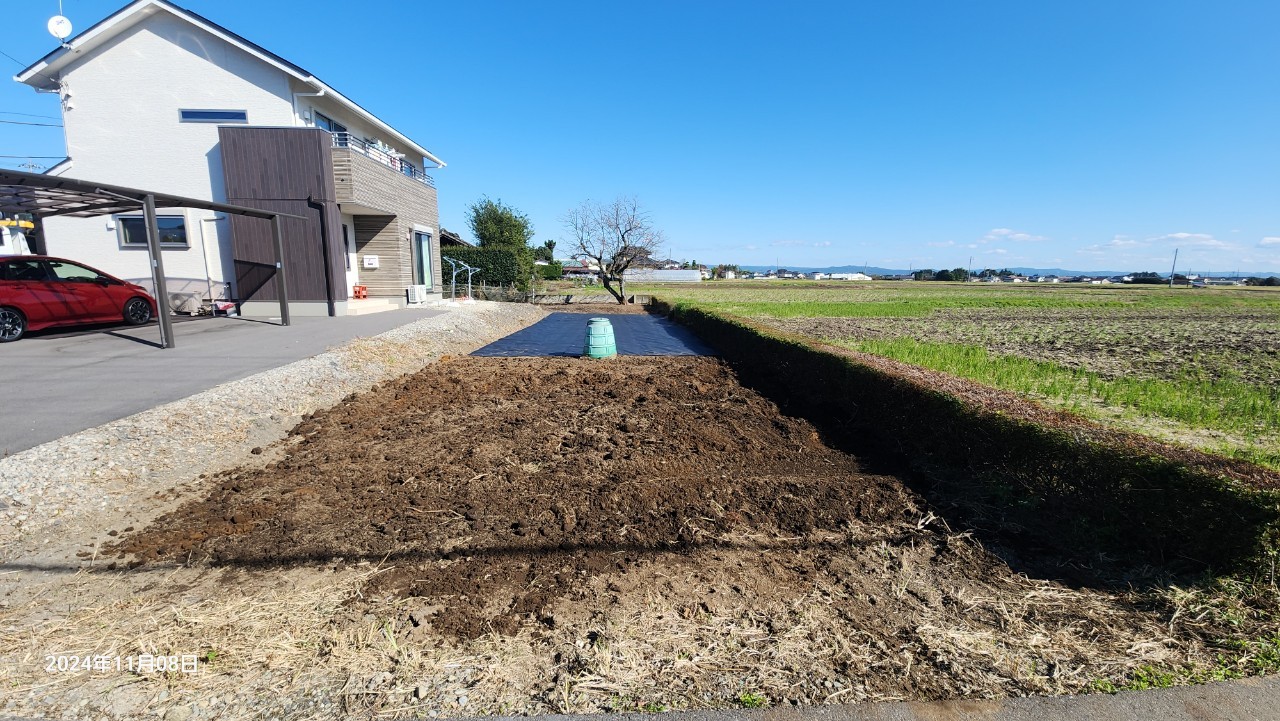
(876, 270)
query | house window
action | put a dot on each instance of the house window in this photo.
(133, 231)
(213, 116)
(328, 123)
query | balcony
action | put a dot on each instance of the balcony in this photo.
(368, 180)
(382, 155)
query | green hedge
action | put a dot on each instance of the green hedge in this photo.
(498, 266)
(1032, 485)
(551, 271)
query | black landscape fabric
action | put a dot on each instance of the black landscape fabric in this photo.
(564, 334)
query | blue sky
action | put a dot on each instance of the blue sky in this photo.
(1076, 134)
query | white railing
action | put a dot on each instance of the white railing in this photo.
(385, 156)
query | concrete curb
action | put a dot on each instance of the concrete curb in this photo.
(1251, 699)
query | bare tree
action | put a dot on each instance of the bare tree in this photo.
(612, 236)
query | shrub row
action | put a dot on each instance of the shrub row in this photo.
(1049, 486)
(498, 266)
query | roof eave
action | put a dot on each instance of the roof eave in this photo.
(370, 117)
(37, 69)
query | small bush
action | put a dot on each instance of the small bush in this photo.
(550, 271)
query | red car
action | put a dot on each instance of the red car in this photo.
(37, 291)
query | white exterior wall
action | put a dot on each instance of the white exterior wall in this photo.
(123, 129)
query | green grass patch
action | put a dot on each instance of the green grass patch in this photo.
(1258, 657)
(1198, 402)
(797, 299)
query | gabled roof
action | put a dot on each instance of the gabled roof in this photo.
(41, 74)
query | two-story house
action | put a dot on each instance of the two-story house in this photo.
(155, 96)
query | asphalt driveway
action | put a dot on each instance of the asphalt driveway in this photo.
(61, 382)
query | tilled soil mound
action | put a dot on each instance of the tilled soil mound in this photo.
(647, 523)
(559, 469)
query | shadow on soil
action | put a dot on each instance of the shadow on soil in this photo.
(1051, 502)
(628, 552)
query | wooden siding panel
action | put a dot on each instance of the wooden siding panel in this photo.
(368, 183)
(289, 170)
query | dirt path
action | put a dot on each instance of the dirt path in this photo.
(536, 535)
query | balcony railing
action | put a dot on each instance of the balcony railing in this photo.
(387, 158)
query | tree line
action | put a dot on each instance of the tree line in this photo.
(609, 237)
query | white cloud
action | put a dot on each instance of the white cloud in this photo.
(1268, 242)
(944, 244)
(788, 243)
(1010, 234)
(996, 251)
(1199, 240)
(822, 244)
(1117, 242)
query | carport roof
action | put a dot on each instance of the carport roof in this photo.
(45, 195)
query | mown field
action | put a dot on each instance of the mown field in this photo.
(1197, 367)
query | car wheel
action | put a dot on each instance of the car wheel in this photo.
(12, 325)
(137, 311)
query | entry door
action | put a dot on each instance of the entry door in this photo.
(422, 248)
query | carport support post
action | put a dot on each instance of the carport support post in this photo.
(282, 287)
(157, 271)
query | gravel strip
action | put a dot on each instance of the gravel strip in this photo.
(45, 488)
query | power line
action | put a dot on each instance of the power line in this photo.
(22, 122)
(25, 65)
(7, 55)
(29, 115)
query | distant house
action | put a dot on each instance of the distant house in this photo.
(849, 276)
(448, 237)
(662, 275)
(155, 96)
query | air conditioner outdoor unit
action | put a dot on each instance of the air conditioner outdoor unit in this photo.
(188, 303)
(417, 293)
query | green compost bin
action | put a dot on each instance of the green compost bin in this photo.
(600, 343)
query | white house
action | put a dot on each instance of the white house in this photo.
(157, 97)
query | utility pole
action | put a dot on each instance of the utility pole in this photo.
(1173, 271)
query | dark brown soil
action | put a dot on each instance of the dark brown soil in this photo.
(644, 511)
(554, 470)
